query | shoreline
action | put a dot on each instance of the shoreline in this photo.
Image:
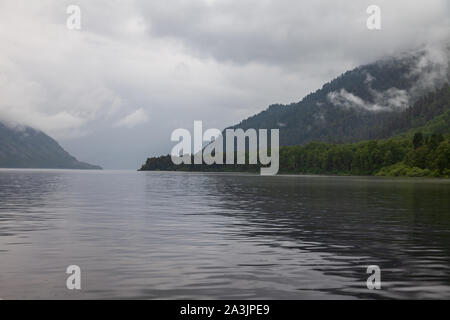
(287, 174)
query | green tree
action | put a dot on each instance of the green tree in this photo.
(442, 156)
(418, 140)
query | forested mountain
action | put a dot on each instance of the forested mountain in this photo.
(421, 153)
(29, 148)
(391, 117)
(431, 106)
(369, 102)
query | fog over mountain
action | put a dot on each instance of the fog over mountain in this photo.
(112, 92)
(427, 69)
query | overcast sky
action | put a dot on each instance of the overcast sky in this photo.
(112, 92)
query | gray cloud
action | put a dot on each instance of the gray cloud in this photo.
(286, 32)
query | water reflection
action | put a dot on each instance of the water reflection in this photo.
(190, 235)
(401, 225)
(23, 199)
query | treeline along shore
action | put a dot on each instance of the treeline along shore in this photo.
(420, 155)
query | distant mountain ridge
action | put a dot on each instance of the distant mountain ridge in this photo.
(29, 148)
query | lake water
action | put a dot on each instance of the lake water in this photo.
(176, 235)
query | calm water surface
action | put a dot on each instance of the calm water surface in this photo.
(197, 236)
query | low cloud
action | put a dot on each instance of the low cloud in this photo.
(390, 100)
(432, 69)
(134, 119)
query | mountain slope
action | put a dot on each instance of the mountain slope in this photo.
(420, 152)
(29, 148)
(355, 114)
(364, 103)
(426, 110)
